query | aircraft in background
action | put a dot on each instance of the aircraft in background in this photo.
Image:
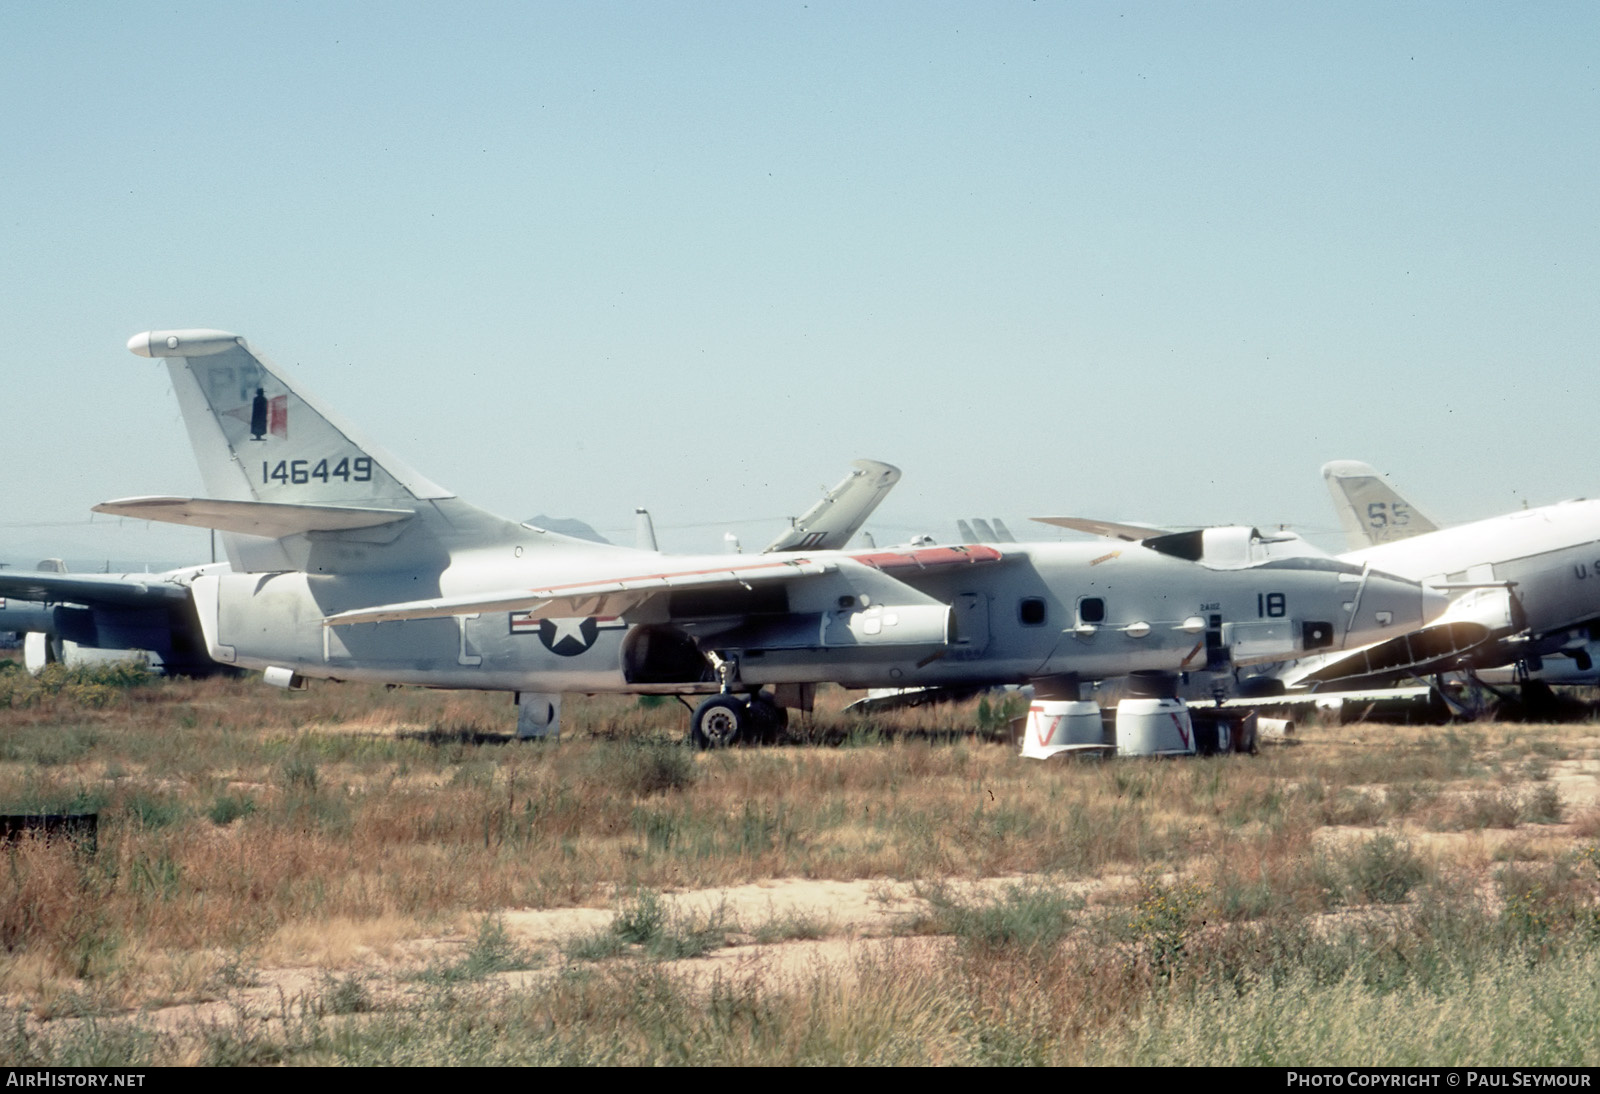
(829, 524)
(981, 531)
(346, 563)
(1524, 588)
(1369, 509)
(82, 618)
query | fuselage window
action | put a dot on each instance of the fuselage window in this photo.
(1091, 609)
(1031, 611)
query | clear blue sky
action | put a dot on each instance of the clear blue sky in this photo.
(1137, 261)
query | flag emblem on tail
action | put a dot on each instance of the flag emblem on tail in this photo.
(265, 415)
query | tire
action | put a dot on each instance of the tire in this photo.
(722, 721)
(767, 719)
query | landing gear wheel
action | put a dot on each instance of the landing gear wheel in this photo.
(768, 719)
(720, 722)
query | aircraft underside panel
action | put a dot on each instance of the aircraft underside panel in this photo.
(1109, 651)
(1558, 589)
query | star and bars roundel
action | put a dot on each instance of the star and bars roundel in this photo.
(563, 637)
(568, 637)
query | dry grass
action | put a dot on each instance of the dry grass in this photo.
(245, 830)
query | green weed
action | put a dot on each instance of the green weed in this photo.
(1542, 805)
(1384, 870)
(344, 995)
(646, 922)
(1031, 918)
(492, 951)
(1162, 921)
(228, 808)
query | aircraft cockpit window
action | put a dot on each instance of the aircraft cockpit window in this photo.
(1031, 611)
(1091, 609)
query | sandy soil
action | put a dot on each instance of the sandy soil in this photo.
(848, 920)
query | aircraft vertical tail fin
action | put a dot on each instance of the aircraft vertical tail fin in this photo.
(829, 524)
(644, 531)
(269, 448)
(1369, 508)
(260, 437)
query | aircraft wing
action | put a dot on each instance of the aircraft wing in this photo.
(120, 590)
(927, 558)
(619, 595)
(610, 597)
(829, 524)
(254, 518)
(1133, 533)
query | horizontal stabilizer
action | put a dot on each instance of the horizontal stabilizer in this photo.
(254, 518)
(1133, 533)
(599, 598)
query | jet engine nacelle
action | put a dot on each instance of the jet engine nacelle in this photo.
(890, 627)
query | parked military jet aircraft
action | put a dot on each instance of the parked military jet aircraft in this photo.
(1525, 587)
(346, 563)
(79, 617)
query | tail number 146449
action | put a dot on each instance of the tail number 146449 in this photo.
(286, 472)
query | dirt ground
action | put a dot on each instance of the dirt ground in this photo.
(853, 918)
(776, 929)
(847, 919)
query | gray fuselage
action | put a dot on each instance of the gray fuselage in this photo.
(874, 620)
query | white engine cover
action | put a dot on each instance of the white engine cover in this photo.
(1057, 726)
(1154, 727)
